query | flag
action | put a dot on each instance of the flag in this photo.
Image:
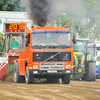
(23, 23)
(68, 24)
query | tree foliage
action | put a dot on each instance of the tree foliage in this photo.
(1, 43)
(85, 23)
(11, 5)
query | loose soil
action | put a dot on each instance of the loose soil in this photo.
(41, 90)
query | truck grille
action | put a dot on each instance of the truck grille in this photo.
(51, 66)
(52, 56)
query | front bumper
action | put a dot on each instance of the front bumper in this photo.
(50, 73)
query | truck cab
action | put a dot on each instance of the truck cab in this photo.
(48, 53)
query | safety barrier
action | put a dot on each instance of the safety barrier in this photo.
(3, 70)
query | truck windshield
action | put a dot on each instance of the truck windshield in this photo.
(51, 40)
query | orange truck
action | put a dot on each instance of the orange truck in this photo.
(47, 53)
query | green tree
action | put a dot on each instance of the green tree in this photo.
(85, 23)
(11, 5)
(1, 42)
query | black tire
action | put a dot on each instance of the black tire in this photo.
(17, 77)
(28, 78)
(66, 79)
(53, 80)
(90, 72)
(98, 76)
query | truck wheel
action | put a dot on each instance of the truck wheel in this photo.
(17, 77)
(98, 76)
(53, 80)
(66, 79)
(90, 72)
(29, 78)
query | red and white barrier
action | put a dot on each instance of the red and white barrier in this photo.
(3, 67)
(3, 70)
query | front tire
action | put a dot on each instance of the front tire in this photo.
(90, 72)
(17, 77)
(29, 78)
(66, 79)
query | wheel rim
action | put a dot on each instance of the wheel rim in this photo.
(26, 75)
(15, 75)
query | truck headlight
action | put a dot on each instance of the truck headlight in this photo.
(35, 66)
(68, 66)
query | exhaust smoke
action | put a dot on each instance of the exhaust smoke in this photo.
(39, 11)
(43, 11)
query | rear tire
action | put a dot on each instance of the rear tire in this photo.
(17, 77)
(90, 72)
(66, 79)
(29, 78)
(98, 76)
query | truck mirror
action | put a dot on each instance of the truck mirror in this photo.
(74, 39)
(27, 36)
(26, 42)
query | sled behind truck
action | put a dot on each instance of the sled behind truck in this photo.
(12, 30)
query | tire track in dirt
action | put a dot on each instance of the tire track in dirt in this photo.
(20, 96)
(76, 90)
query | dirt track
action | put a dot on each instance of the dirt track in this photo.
(40, 90)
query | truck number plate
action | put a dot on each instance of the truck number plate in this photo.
(52, 71)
